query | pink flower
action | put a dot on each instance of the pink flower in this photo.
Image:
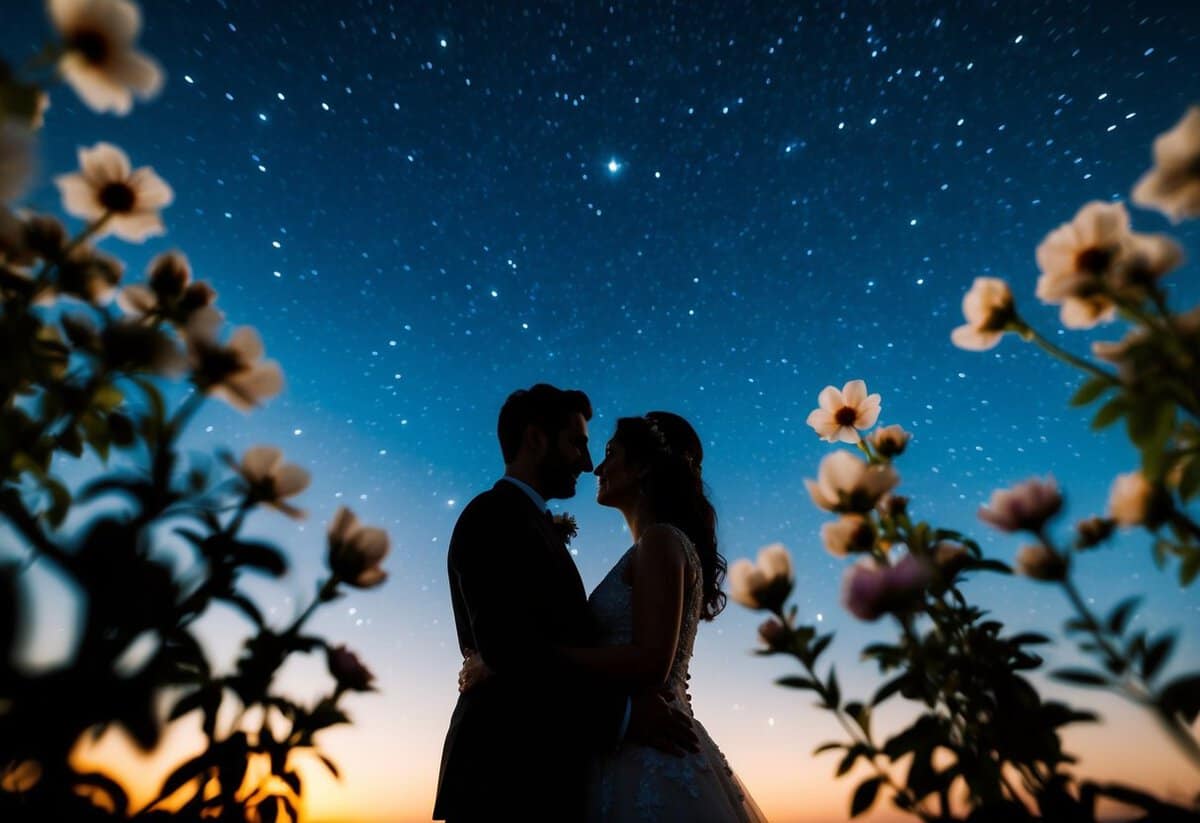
(870, 591)
(348, 670)
(846, 483)
(1025, 507)
(764, 584)
(1173, 185)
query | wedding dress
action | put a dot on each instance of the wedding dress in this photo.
(637, 783)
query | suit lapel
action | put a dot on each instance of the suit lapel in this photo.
(555, 550)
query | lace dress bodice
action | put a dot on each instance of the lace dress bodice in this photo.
(638, 784)
(612, 606)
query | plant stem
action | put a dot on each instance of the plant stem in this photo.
(1029, 333)
(323, 595)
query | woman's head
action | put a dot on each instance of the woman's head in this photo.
(655, 461)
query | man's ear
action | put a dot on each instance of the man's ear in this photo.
(535, 440)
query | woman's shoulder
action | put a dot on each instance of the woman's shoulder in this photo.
(665, 541)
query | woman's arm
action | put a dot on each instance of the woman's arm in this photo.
(659, 568)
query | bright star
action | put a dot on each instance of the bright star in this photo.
(613, 166)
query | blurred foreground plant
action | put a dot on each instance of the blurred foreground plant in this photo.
(149, 546)
(985, 745)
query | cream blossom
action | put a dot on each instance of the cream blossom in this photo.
(99, 59)
(842, 413)
(356, 551)
(169, 293)
(1025, 507)
(1075, 259)
(890, 441)
(107, 186)
(849, 533)
(1173, 185)
(764, 584)
(989, 308)
(1040, 562)
(1133, 500)
(269, 480)
(16, 160)
(235, 372)
(846, 483)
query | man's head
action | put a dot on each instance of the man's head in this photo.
(544, 438)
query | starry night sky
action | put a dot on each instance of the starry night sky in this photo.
(711, 208)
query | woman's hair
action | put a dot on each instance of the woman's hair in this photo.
(668, 446)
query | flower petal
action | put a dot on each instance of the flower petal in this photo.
(135, 227)
(291, 479)
(259, 462)
(104, 163)
(854, 392)
(78, 197)
(830, 399)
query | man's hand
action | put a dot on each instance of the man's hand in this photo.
(654, 722)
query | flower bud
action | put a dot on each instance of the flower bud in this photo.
(1025, 507)
(890, 441)
(1040, 562)
(1093, 531)
(348, 670)
(764, 584)
(774, 634)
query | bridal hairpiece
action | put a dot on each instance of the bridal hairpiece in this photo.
(665, 446)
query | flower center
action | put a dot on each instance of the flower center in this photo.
(1095, 260)
(117, 197)
(92, 44)
(846, 416)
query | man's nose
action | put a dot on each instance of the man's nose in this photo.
(587, 461)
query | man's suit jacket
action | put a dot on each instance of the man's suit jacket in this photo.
(518, 744)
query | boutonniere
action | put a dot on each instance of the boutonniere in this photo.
(565, 527)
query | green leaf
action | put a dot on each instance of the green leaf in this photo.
(1156, 655)
(864, 796)
(1080, 677)
(1189, 568)
(60, 501)
(1189, 482)
(1121, 614)
(1110, 413)
(793, 682)
(1090, 390)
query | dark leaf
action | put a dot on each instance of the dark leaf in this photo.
(1121, 614)
(827, 747)
(329, 764)
(293, 781)
(1080, 677)
(260, 556)
(1189, 482)
(1029, 639)
(864, 796)
(889, 688)
(1090, 390)
(1182, 696)
(819, 646)
(1110, 412)
(793, 682)
(112, 790)
(852, 754)
(1156, 655)
(187, 771)
(833, 690)
(245, 604)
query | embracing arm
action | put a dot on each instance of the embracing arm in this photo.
(659, 569)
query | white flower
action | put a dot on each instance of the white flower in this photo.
(1132, 500)
(236, 372)
(841, 413)
(16, 160)
(764, 584)
(106, 185)
(1025, 507)
(988, 308)
(846, 483)
(100, 62)
(356, 551)
(849, 533)
(1077, 257)
(270, 480)
(1173, 185)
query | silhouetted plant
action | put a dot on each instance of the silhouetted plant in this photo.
(84, 374)
(984, 744)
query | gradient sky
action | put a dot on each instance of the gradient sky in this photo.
(711, 208)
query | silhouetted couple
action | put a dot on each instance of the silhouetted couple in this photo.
(574, 708)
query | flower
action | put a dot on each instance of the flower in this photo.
(1093, 531)
(764, 584)
(1040, 562)
(1025, 507)
(269, 480)
(846, 483)
(949, 557)
(892, 505)
(1121, 353)
(849, 533)
(88, 274)
(356, 551)
(840, 413)
(989, 309)
(126, 346)
(1173, 185)
(348, 670)
(169, 293)
(236, 373)
(16, 160)
(105, 186)
(100, 62)
(890, 441)
(566, 527)
(1076, 258)
(870, 590)
(1135, 501)
(774, 634)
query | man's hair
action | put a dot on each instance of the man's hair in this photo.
(544, 406)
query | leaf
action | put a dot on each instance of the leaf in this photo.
(827, 747)
(293, 781)
(1189, 482)
(260, 556)
(1156, 655)
(793, 682)
(819, 646)
(1090, 390)
(1029, 639)
(1182, 696)
(1121, 614)
(833, 690)
(1189, 568)
(1080, 677)
(245, 605)
(864, 796)
(852, 754)
(113, 790)
(1110, 413)
(60, 504)
(889, 688)
(329, 764)
(187, 771)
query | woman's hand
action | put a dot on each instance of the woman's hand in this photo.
(473, 672)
